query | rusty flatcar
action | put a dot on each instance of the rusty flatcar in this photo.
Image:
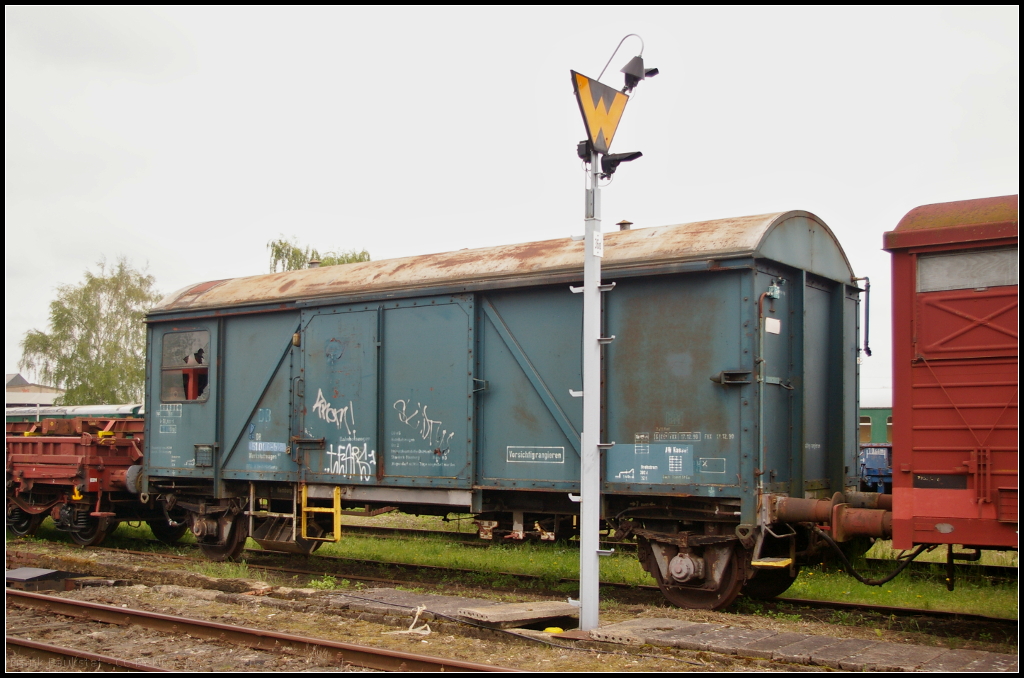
(955, 355)
(81, 466)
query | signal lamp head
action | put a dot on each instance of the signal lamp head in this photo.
(635, 72)
(585, 150)
(610, 162)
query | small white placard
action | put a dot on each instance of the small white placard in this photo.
(772, 325)
(599, 244)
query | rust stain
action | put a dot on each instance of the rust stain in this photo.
(203, 287)
(674, 327)
(961, 213)
(963, 221)
(624, 249)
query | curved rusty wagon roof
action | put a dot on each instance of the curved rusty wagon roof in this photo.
(794, 238)
(958, 222)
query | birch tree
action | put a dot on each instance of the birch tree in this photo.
(95, 348)
(287, 255)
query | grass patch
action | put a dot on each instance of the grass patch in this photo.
(496, 565)
(499, 565)
(453, 522)
(239, 570)
(760, 608)
(972, 596)
(884, 550)
(133, 536)
(328, 583)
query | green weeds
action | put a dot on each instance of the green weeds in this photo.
(972, 596)
(761, 609)
(884, 550)
(239, 570)
(500, 565)
(329, 583)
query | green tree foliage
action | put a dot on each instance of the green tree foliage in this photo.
(287, 255)
(96, 347)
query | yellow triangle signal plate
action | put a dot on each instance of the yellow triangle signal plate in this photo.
(602, 109)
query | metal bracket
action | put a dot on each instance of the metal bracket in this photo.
(480, 388)
(778, 382)
(606, 340)
(792, 532)
(317, 443)
(605, 446)
(575, 394)
(600, 288)
(602, 552)
(732, 377)
(575, 498)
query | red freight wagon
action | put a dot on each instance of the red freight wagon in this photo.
(955, 446)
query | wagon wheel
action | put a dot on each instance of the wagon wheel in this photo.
(22, 523)
(768, 584)
(234, 546)
(690, 597)
(92, 534)
(165, 533)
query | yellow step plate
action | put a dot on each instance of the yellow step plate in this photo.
(772, 563)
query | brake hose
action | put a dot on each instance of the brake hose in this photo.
(853, 573)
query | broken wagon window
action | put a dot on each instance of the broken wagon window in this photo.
(184, 366)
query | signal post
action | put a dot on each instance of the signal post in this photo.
(601, 107)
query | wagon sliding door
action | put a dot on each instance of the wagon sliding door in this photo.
(388, 389)
(339, 403)
(427, 377)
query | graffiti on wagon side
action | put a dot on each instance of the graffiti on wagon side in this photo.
(428, 429)
(339, 416)
(351, 460)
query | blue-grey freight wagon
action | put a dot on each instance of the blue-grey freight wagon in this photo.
(445, 383)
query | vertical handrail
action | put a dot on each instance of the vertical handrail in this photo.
(252, 503)
(381, 431)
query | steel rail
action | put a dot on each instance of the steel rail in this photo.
(864, 607)
(74, 660)
(257, 639)
(362, 561)
(801, 602)
(917, 568)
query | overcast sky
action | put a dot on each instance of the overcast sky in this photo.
(186, 139)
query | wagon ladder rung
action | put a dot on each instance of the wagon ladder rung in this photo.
(335, 509)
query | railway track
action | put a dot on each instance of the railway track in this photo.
(256, 639)
(72, 659)
(651, 590)
(918, 568)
